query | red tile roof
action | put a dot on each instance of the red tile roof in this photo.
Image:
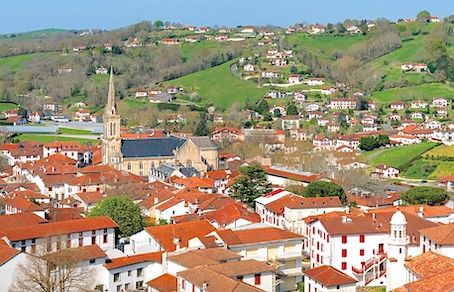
(59, 228)
(429, 264)
(329, 276)
(293, 201)
(90, 197)
(20, 220)
(442, 282)
(164, 283)
(291, 175)
(165, 234)
(134, 259)
(256, 235)
(442, 234)
(82, 253)
(6, 252)
(22, 204)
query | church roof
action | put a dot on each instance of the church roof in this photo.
(151, 147)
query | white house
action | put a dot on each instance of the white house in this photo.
(327, 279)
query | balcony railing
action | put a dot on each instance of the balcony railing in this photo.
(377, 259)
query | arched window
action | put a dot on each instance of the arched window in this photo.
(188, 163)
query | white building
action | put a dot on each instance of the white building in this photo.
(327, 279)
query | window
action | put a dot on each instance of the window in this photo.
(129, 273)
(257, 279)
(104, 238)
(344, 238)
(344, 253)
(93, 239)
(361, 252)
(344, 265)
(361, 238)
(68, 241)
(127, 286)
(129, 165)
(116, 277)
(139, 272)
(240, 278)
(119, 288)
(183, 284)
(92, 261)
(139, 284)
(81, 241)
(141, 165)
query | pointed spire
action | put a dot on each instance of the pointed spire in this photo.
(111, 102)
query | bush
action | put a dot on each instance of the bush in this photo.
(325, 189)
(425, 195)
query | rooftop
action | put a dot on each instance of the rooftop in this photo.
(329, 276)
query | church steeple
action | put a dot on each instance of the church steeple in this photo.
(111, 139)
(111, 108)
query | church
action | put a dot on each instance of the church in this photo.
(139, 156)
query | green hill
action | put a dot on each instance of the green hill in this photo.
(219, 87)
(428, 90)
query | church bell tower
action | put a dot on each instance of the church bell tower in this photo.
(111, 141)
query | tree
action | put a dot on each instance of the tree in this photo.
(425, 195)
(293, 70)
(325, 189)
(48, 272)
(423, 16)
(122, 210)
(159, 24)
(368, 143)
(201, 129)
(251, 184)
(262, 107)
(292, 110)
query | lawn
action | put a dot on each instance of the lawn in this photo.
(190, 50)
(51, 138)
(428, 90)
(399, 156)
(323, 45)
(219, 87)
(15, 63)
(6, 106)
(421, 169)
(69, 131)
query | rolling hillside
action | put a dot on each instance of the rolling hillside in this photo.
(219, 87)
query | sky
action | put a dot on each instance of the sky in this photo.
(29, 15)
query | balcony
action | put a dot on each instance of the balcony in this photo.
(375, 260)
(292, 255)
(290, 271)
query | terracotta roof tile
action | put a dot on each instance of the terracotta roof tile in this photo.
(134, 259)
(443, 234)
(164, 283)
(257, 235)
(20, 220)
(429, 264)
(165, 234)
(293, 201)
(329, 276)
(59, 228)
(6, 252)
(441, 282)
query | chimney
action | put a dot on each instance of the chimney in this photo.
(421, 211)
(177, 241)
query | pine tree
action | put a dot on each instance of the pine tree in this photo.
(251, 184)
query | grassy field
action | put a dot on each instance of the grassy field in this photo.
(190, 50)
(421, 169)
(6, 106)
(69, 131)
(219, 87)
(399, 156)
(444, 168)
(37, 34)
(15, 63)
(51, 138)
(324, 46)
(428, 90)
